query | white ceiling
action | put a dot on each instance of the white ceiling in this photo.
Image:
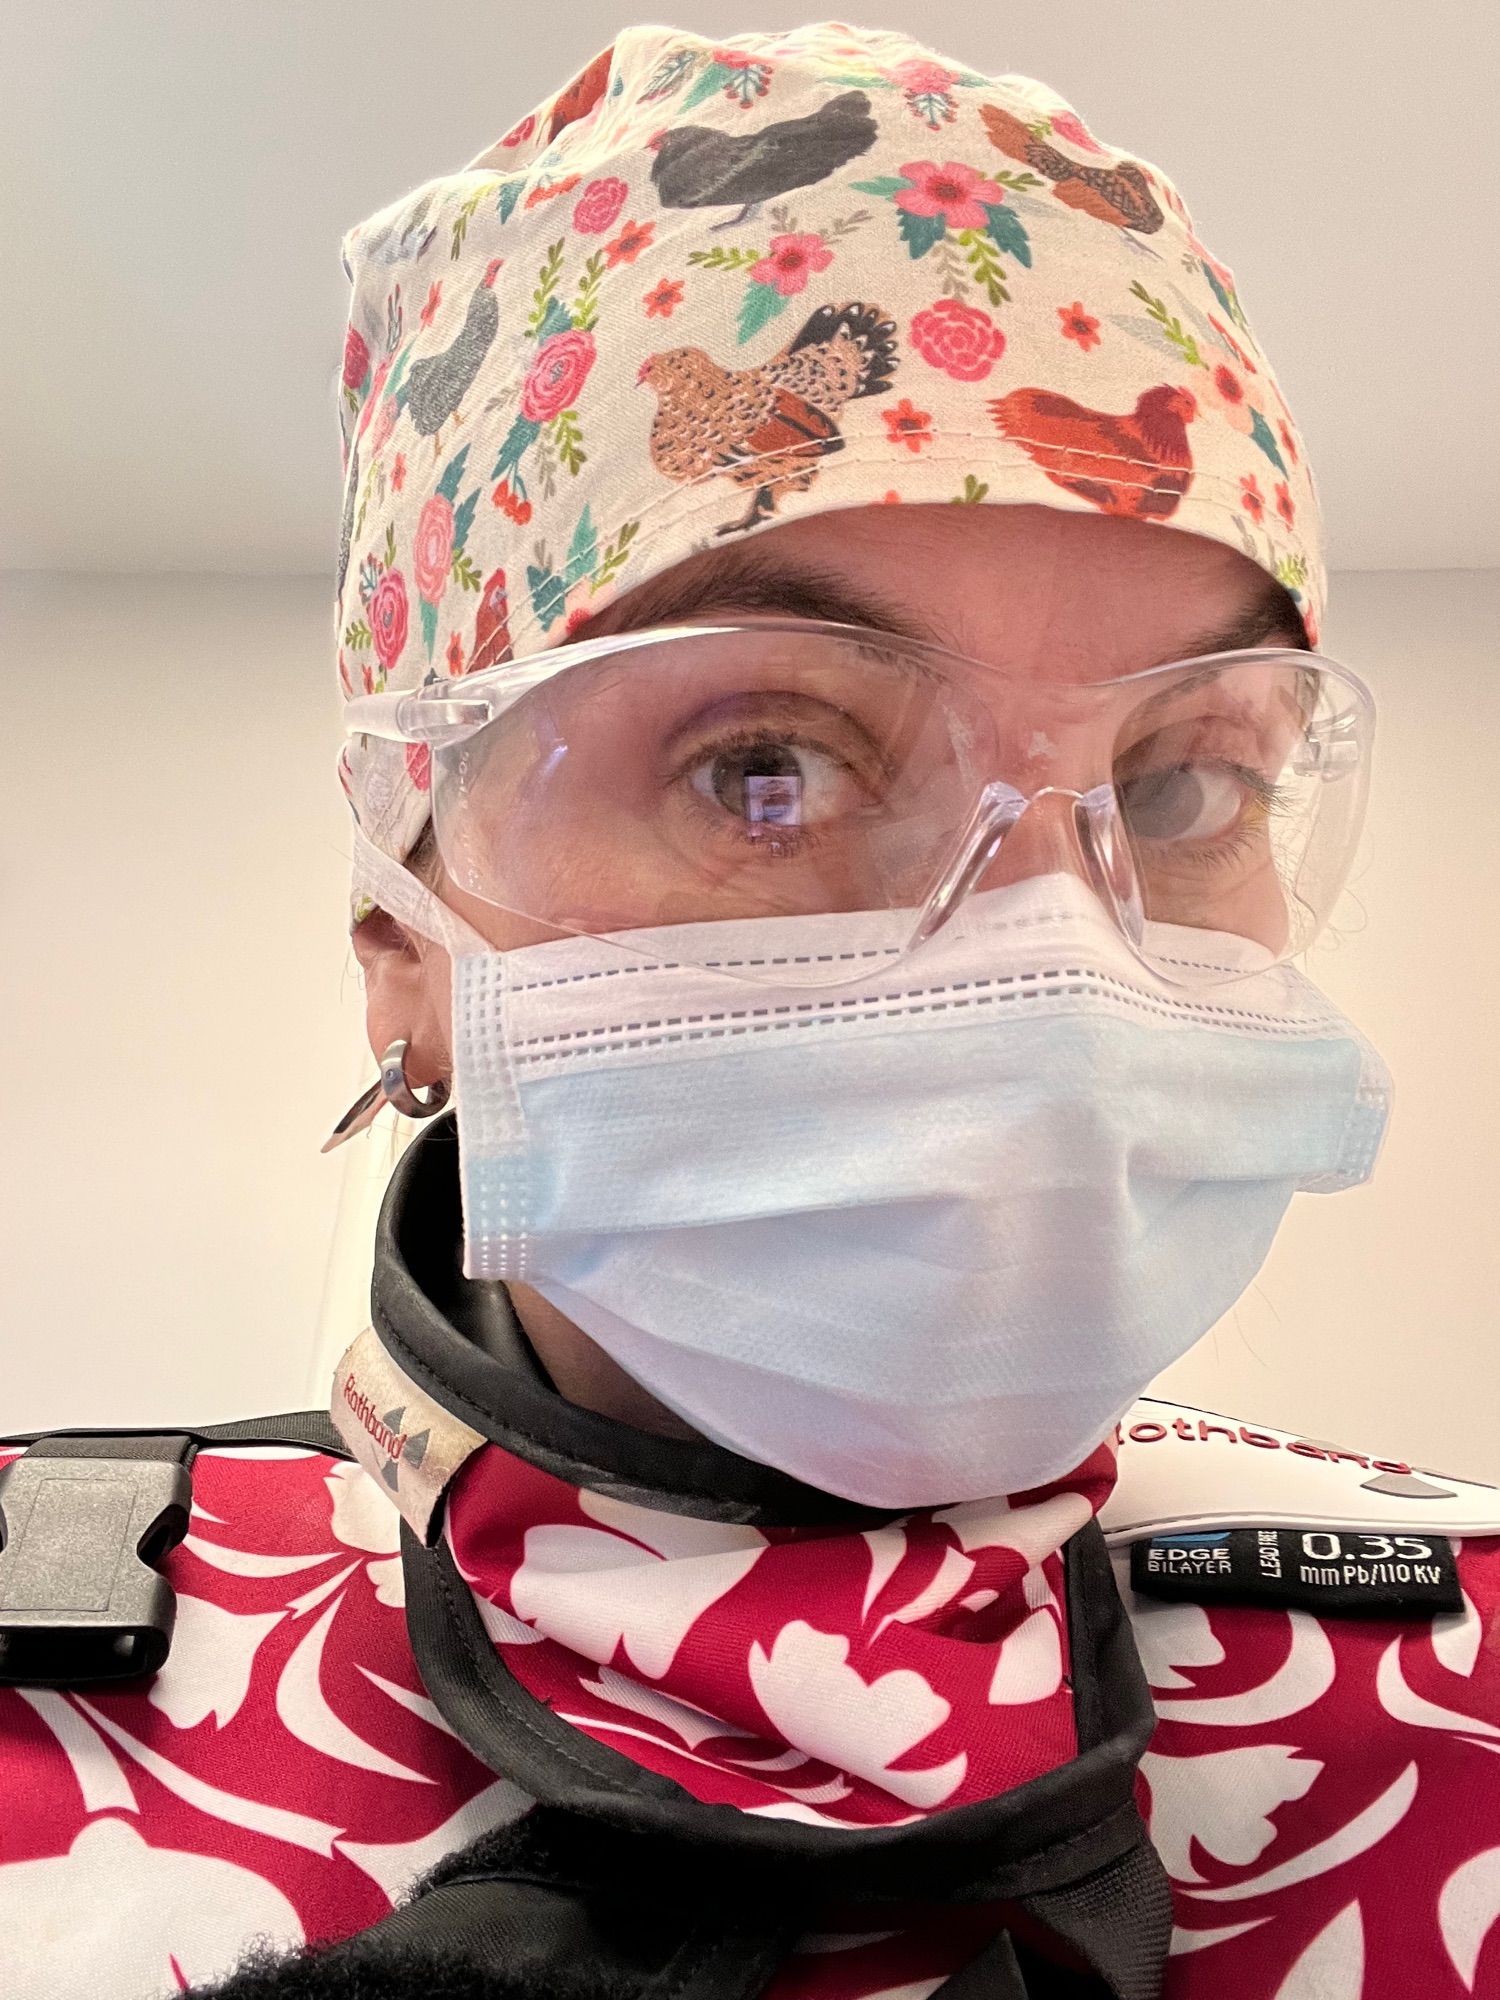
(177, 175)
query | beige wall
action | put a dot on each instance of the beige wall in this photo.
(181, 1017)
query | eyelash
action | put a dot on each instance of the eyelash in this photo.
(1270, 798)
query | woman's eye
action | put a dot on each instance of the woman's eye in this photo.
(774, 783)
(1185, 802)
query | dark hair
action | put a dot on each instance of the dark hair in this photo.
(424, 861)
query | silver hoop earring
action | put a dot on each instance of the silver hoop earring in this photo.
(391, 1087)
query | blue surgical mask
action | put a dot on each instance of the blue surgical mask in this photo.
(919, 1239)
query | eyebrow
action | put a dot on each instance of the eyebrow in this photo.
(747, 581)
(1270, 614)
(740, 580)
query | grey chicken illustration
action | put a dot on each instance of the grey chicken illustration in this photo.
(436, 385)
(699, 166)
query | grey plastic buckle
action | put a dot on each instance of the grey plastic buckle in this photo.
(80, 1600)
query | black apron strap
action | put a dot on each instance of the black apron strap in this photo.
(1119, 1919)
(995, 1975)
(312, 1429)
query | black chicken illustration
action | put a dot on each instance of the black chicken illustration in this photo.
(698, 166)
(767, 428)
(436, 385)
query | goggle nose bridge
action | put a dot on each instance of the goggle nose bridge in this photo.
(999, 810)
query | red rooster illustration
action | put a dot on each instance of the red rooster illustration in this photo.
(491, 626)
(1137, 464)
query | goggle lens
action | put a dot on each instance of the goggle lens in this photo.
(772, 771)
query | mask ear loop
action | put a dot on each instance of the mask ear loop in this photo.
(411, 902)
(493, 1126)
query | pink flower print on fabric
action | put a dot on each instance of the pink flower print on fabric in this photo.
(790, 262)
(908, 425)
(385, 422)
(961, 340)
(597, 208)
(388, 618)
(557, 375)
(959, 194)
(1222, 388)
(664, 298)
(915, 74)
(356, 359)
(979, 215)
(628, 245)
(432, 551)
(1068, 125)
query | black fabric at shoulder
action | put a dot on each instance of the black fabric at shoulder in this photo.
(415, 1973)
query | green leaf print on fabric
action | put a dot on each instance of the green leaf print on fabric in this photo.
(760, 304)
(1260, 430)
(920, 232)
(566, 436)
(725, 259)
(546, 285)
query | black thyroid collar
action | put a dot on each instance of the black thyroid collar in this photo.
(1068, 1847)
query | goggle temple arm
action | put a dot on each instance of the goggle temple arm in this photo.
(404, 718)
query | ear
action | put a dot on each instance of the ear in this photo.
(407, 996)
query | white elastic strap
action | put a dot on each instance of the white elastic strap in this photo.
(411, 902)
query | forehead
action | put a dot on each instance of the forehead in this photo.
(1036, 590)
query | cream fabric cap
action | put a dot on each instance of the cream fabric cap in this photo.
(714, 286)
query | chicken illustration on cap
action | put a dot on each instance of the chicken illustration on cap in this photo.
(699, 166)
(767, 428)
(1120, 194)
(436, 385)
(1137, 463)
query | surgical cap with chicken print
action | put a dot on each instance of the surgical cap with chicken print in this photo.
(715, 286)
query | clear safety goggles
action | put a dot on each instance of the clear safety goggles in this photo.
(783, 767)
